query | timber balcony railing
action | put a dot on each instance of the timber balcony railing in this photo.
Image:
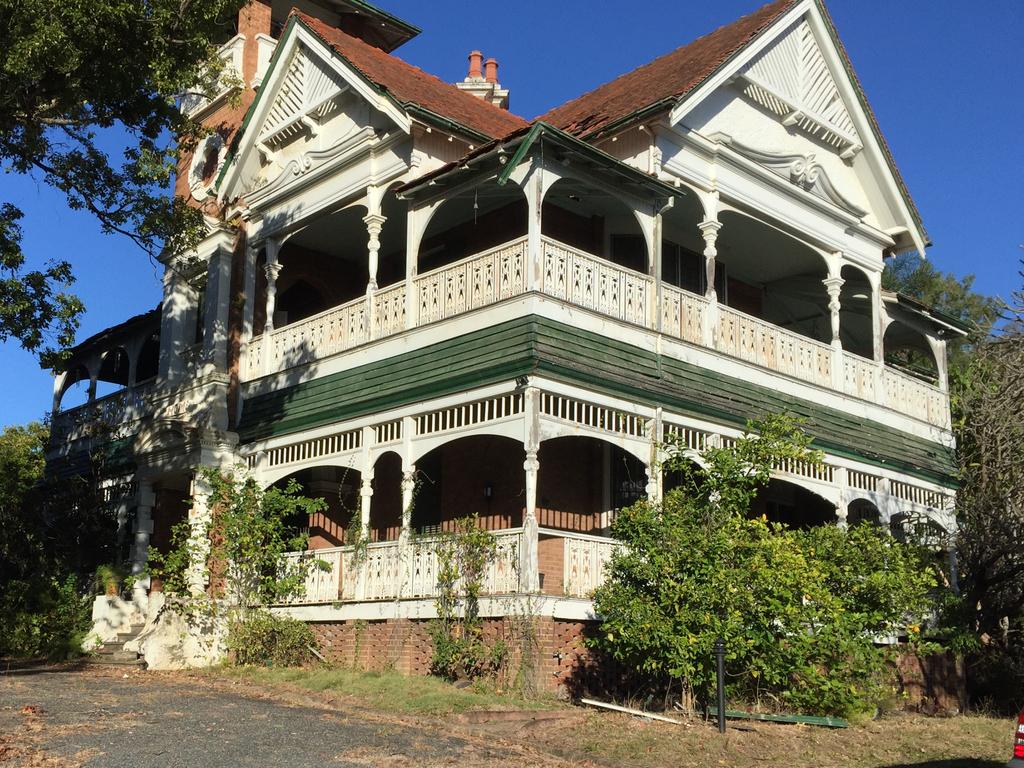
(389, 570)
(592, 283)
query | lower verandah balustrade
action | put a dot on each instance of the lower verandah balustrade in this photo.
(590, 282)
(390, 571)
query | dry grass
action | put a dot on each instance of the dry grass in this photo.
(389, 691)
(610, 739)
(906, 741)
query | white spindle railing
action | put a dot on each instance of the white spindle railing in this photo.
(472, 283)
(584, 561)
(915, 398)
(319, 336)
(322, 585)
(389, 571)
(769, 346)
(859, 376)
(254, 357)
(389, 311)
(593, 283)
(683, 314)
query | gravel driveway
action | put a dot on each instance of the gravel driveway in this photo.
(107, 718)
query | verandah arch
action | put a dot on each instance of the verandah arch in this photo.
(470, 221)
(338, 486)
(772, 276)
(589, 218)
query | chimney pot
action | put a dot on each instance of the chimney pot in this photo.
(475, 61)
(491, 67)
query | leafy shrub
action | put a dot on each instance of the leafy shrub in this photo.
(43, 617)
(799, 610)
(460, 651)
(263, 639)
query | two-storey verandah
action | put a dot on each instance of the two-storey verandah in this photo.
(590, 250)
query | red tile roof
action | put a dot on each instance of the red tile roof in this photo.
(669, 77)
(410, 85)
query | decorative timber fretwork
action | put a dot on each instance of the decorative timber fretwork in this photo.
(792, 80)
(802, 170)
(308, 94)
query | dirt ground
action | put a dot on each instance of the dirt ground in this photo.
(59, 717)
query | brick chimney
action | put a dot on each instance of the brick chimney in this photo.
(482, 80)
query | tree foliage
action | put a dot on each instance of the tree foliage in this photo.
(42, 609)
(952, 295)
(990, 512)
(463, 558)
(798, 609)
(233, 548)
(69, 72)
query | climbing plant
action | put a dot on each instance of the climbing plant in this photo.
(460, 650)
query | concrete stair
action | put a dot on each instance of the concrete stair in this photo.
(113, 653)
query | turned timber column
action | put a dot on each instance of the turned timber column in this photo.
(408, 496)
(529, 578)
(374, 224)
(272, 269)
(145, 501)
(841, 479)
(365, 499)
(655, 478)
(709, 231)
(834, 285)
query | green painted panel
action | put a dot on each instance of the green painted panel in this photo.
(534, 344)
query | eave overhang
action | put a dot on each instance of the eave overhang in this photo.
(500, 158)
(384, 30)
(945, 325)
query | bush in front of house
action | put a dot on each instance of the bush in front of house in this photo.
(263, 639)
(43, 617)
(800, 611)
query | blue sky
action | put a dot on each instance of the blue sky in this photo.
(943, 76)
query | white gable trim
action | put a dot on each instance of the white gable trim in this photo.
(865, 131)
(266, 100)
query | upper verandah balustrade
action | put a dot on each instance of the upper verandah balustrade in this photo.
(589, 282)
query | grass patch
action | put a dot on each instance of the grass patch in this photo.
(899, 741)
(391, 691)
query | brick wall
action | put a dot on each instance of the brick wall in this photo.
(561, 662)
(550, 559)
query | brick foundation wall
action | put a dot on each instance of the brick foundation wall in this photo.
(563, 665)
(561, 662)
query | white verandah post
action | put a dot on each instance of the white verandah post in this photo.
(529, 577)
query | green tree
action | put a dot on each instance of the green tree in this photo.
(798, 610)
(42, 609)
(69, 73)
(952, 295)
(236, 548)
(990, 513)
(22, 460)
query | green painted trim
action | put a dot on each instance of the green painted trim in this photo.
(274, 58)
(533, 344)
(443, 122)
(380, 13)
(524, 146)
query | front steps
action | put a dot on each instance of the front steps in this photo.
(112, 652)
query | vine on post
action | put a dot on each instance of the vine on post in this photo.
(228, 561)
(460, 651)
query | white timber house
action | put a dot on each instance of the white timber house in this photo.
(407, 290)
